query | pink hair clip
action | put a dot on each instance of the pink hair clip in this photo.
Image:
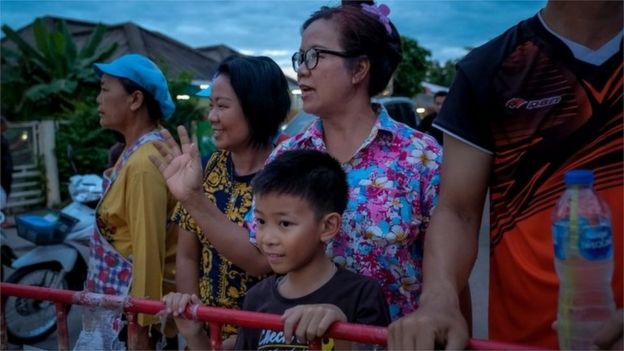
(382, 11)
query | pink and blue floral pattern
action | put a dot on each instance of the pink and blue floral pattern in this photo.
(393, 179)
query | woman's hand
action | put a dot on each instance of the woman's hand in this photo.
(176, 304)
(181, 167)
(311, 321)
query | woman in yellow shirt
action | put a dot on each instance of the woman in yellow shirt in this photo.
(132, 250)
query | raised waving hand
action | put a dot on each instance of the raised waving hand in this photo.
(180, 166)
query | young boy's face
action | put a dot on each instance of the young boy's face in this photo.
(288, 231)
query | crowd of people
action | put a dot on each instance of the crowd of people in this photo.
(360, 218)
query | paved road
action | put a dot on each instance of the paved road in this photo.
(478, 285)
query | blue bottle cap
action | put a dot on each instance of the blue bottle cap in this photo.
(579, 177)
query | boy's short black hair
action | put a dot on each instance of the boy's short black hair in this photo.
(312, 175)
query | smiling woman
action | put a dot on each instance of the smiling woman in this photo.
(249, 100)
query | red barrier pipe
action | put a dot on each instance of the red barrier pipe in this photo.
(4, 339)
(344, 331)
(315, 345)
(476, 344)
(215, 336)
(133, 330)
(62, 332)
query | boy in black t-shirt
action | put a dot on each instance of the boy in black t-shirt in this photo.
(299, 197)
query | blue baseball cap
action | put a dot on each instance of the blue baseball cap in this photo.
(144, 73)
(205, 92)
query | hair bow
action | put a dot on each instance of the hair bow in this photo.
(382, 11)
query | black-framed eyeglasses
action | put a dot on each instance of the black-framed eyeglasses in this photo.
(310, 57)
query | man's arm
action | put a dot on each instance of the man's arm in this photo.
(450, 252)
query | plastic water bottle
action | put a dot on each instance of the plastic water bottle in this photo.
(583, 260)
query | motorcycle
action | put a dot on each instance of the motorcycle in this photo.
(6, 252)
(59, 259)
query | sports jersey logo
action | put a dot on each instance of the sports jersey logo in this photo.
(517, 103)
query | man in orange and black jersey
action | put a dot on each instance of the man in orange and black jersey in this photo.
(543, 98)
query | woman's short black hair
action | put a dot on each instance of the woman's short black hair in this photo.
(153, 107)
(363, 33)
(311, 175)
(262, 90)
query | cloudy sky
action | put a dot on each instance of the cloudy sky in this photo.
(271, 27)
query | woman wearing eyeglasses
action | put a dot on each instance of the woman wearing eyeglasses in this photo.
(347, 55)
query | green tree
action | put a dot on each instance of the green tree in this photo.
(89, 141)
(412, 69)
(186, 111)
(55, 79)
(444, 73)
(46, 79)
(441, 74)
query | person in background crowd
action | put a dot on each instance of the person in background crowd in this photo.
(348, 54)
(543, 98)
(426, 125)
(132, 250)
(249, 100)
(295, 220)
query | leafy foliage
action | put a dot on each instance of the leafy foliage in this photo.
(52, 78)
(46, 79)
(442, 74)
(90, 142)
(186, 111)
(412, 69)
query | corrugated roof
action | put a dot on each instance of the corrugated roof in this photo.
(171, 55)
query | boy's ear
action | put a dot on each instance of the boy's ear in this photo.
(330, 226)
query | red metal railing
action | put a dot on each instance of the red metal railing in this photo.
(215, 316)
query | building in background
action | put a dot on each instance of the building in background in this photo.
(173, 56)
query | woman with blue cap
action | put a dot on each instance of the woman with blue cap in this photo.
(132, 252)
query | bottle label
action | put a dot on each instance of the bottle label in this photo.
(595, 242)
(560, 238)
